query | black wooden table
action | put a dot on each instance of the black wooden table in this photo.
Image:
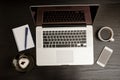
(14, 14)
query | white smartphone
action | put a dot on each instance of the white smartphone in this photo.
(104, 57)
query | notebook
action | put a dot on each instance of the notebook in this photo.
(64, 35)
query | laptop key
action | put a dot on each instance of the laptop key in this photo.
(62, 45)
(46, 42)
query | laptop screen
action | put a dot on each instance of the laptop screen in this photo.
(62, 14)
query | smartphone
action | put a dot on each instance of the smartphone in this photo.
(104, 57)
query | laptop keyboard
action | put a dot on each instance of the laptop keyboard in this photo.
(67, 38)
(64, 16)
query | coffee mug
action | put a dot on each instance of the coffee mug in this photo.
(106, 34)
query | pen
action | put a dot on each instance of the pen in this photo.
(26, 33)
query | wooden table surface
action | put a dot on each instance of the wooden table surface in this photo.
(18, 13)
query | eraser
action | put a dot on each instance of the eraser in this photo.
(23, 37)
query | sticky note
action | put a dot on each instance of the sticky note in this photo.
(23, 37)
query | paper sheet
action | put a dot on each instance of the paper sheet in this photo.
(20, 34)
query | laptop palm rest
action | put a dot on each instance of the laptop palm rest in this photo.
(64, 57)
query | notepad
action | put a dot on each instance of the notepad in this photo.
(23, 37)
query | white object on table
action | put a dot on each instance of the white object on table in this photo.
(24, 41)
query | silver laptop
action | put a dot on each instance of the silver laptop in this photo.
(64, 35)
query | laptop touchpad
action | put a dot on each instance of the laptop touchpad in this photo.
(64, 56)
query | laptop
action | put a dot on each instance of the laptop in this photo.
(64, 35)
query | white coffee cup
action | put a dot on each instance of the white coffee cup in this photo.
(110, 33)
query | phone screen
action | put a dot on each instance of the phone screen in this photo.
(104, 57)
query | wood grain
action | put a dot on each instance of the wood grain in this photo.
(16, 15)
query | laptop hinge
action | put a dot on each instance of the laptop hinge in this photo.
(63, 25)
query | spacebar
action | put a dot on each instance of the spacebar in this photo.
(62, 45)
